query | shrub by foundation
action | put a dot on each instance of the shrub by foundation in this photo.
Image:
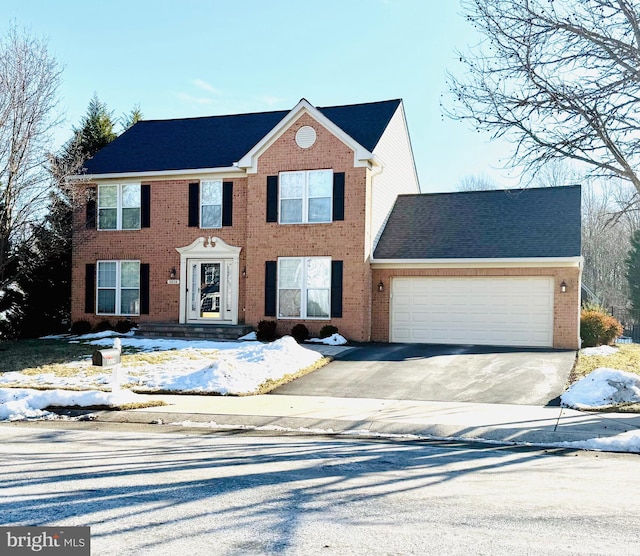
(598, 327)
(328, 330)
(266, 330)
(80, 327)
(300, 332)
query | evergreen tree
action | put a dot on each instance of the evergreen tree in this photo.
(131, 118)
(633, 270)
(96, 130)
(47, 259)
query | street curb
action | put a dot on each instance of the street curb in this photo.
(353, 429)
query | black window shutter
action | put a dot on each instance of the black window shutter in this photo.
(227, 203)
(336, 289)
(194, 205)
(144, 289)
(338, 196)
(272, 198)
(145, 203)
(91, 207)
(90, 288)
(270, 288)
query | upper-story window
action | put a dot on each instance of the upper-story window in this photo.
(211, 204)
(306, 196)
(119, 207)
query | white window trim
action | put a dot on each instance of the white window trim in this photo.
(303, 290)
(305, 197)
(221, 205)
(118, 207)
(118, 287)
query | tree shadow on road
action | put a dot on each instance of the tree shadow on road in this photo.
(221, 489)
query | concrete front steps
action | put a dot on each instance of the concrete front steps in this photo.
(200, 331)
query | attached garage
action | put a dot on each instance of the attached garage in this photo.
(496, 268)
(508, 311)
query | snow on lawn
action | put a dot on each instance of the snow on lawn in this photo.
(160, 344)
(599, 350)
(333, 340)
(182, 366)
(241, 371)
(623, 442)
(26, 403)
(603, 388)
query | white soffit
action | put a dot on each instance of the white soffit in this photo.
(525, 262)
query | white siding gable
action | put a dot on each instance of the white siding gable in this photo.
(398, 175)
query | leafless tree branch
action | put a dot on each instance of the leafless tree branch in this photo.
(561, 80)
(29, 80)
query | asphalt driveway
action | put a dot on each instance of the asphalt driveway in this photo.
(426, 372)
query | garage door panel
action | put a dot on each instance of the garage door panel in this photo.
(488, 311)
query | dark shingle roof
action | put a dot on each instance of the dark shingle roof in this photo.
(543, 222)
(219, 141)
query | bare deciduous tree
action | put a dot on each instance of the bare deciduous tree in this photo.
(559, 79)
(475, 182)
(606, 236)
(29, 80)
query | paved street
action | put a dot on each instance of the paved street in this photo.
(162, 490)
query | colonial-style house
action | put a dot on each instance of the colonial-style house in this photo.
(314, 215)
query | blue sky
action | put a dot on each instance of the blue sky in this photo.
(207, 57)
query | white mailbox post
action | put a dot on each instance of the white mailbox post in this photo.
(110, 358)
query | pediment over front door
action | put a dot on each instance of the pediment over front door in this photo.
(210, 246)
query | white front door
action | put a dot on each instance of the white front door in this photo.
(207, 290)
(209, 281)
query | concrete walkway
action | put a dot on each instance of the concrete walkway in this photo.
(471, 421)
(503, 423)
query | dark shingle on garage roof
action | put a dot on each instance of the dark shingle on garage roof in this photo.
(542, 222)
(219, 141)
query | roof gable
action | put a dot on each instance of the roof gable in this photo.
(221, 141)
(542, 222)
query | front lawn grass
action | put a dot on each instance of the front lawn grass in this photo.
(25, 355)
(627, 359)
(34, 357)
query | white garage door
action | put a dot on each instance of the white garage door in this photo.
(486, 311)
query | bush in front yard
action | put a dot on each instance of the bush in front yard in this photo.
(598, 327)
(80, 327)
(266, 330)
(103, 325)
(125, 325)
(328, 330)
(300, 332)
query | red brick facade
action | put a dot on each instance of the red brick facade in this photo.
(365, 310)
(565, 311)
(260, 241)
(341, 240)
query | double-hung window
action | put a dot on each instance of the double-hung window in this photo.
(118, 288)
(304, 287)
(306, 196)
(211, 204)
(119, 207)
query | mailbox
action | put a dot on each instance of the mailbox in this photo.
(106, 357)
